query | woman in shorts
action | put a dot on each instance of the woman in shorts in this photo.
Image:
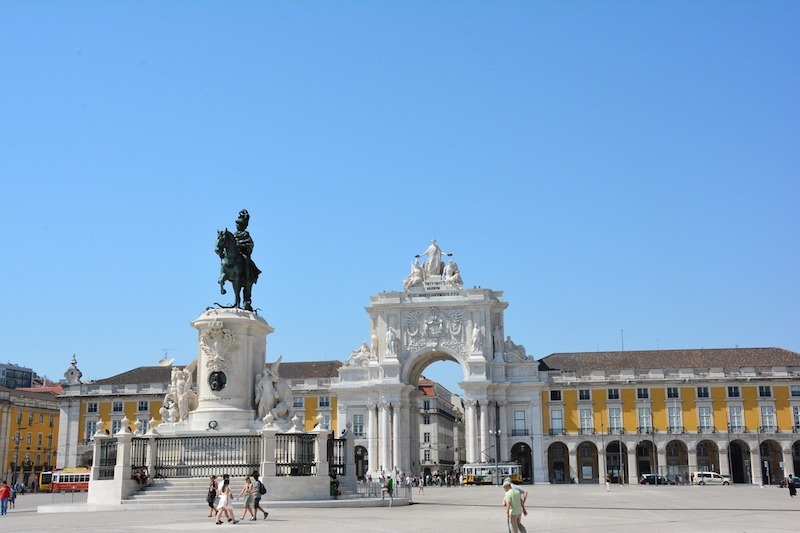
(247, 491)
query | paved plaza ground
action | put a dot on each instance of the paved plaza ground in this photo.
(469, 509)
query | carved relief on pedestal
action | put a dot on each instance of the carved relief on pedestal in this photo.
(215, 342)
(434, 328)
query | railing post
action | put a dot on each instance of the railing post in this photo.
(321, 449)
(122, 470)
(268, 447)
(97, 440)
(152, 452)
(349, 480)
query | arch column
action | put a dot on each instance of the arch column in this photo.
(484, 444)
(372, 442)
(788, 462)
(472, 431)
(573, 464)
(755, 466)
(724, 461)
(661, 457)
(633, 466)
(384, 439)
(397, 416)
(502, 413)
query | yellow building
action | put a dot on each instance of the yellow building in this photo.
(311, 387)
(136, 395)
(29, 423)
(672, 412)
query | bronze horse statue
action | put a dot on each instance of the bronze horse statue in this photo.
(239, 270)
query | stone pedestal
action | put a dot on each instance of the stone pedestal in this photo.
(232, 353)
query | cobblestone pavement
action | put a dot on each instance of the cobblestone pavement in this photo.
(469, 509)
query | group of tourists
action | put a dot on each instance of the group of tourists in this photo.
(220, 498)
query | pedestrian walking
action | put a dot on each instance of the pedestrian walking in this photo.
(5, 495)
(608, 482)
(212, 496)
(247, 491)
(792, 488)
(258, 491)
(224, 505)
(513, 505)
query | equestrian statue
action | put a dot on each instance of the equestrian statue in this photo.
(236, 265)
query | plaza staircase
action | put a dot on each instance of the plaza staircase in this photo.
(186, 493)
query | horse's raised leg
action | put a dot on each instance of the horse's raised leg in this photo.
(222, 283)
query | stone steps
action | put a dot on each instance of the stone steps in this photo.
(191, 493)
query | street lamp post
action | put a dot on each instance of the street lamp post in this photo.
(496, 433)
(17, 438)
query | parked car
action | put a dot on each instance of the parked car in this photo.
(652, 479)
(709, 478)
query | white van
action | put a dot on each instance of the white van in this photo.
(708, 478)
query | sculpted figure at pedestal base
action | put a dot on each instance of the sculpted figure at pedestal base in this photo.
(273, 395)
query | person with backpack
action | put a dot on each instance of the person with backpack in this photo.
(258, 491)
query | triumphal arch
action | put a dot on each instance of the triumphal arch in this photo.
(435, 318)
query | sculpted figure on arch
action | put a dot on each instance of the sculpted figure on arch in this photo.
(434, 265)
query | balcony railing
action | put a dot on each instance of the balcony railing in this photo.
(559, 431)
(519, 432)
(587, 431)
(616, 431)
(738, 429)
(676, 430)
(645, 430)
(706, 429)
(769, 429)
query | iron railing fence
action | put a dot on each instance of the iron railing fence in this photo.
(336, 457)
(108, 459)
(294, 454)
(181, 457)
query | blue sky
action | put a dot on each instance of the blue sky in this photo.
(608, 165)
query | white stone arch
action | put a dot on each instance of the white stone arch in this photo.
(419, 360)
(436, 319)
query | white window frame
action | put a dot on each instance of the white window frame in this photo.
(557, 415)
(587, 420)
(768, 417)
(675, 416)
(736, 418)
(705, 418)
(614, 419)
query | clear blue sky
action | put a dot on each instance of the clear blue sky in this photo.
(608, 165)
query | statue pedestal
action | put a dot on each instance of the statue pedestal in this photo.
(232, 353)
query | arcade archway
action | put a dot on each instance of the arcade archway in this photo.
(770, 462)
(558, 463)
(740, 461)
(617, 461)
(587, 457)
(362, 462)
(521, 453)
(708, 456)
